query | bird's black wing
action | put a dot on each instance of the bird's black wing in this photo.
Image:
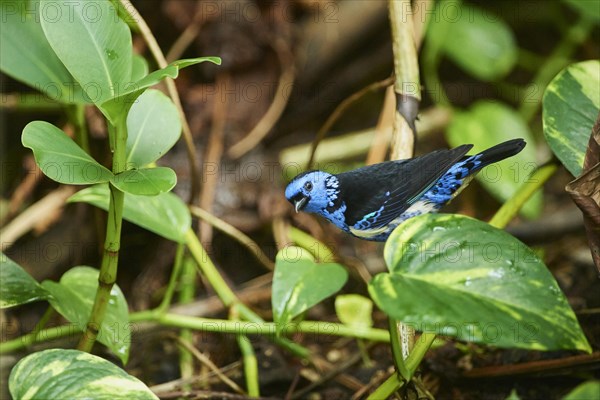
(377, 194)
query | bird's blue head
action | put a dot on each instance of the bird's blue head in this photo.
(312, 191)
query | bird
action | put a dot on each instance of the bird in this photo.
(371, 201)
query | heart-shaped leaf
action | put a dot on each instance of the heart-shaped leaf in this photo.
(73, 297)
(487, 124)
(115, 107)
(165, 214)
(73, 374)
(26, 55)
(92, 42)
(60, 158)
(299, 283)
(461, 277)
(570, 108)
(354, 310)
(17, 286)
(153, 127)
(478, 41)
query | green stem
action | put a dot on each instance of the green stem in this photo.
(387, 388)
(419, 350)
(43, 321)
(227, 296)
(364, 353)
(76, 114)
(399, 353)
(249, 360)
(394, 382)
(214, 325)
(42, 335)
(166, 301)
(250, 365)
(208, 269)
(511, 208)
(186, 295)
(261, 328)
(112, 244)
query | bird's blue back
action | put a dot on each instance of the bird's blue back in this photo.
(372, 201)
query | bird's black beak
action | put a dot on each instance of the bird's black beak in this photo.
(299, 203)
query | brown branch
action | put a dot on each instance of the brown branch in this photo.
(534, 367)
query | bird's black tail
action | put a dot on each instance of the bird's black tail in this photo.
(500, 152)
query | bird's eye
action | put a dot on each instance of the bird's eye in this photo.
(308, 186)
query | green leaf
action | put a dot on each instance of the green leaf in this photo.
(460, 277)
(17, 286)
(73, 374)
(139, 67)
(299, 283)
(485, 125)
(60, 158)
(354, 310)
(172, 71)
(153, 127)
(586, 391)
(26, 55)
(146, 181)
(73, 297)
(115, 107)
(92, 42)
(570, 108)
(477, 40)
(165, 214)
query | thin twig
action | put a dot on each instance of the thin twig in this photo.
(206, 361)
(327, 376)
(235, 233)
(280, 101)
(339, 110)
(214, 152)
(25, 188)
(164, 389)
(32, 216)
(190, 33)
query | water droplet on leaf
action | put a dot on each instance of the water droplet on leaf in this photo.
(111, 54)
